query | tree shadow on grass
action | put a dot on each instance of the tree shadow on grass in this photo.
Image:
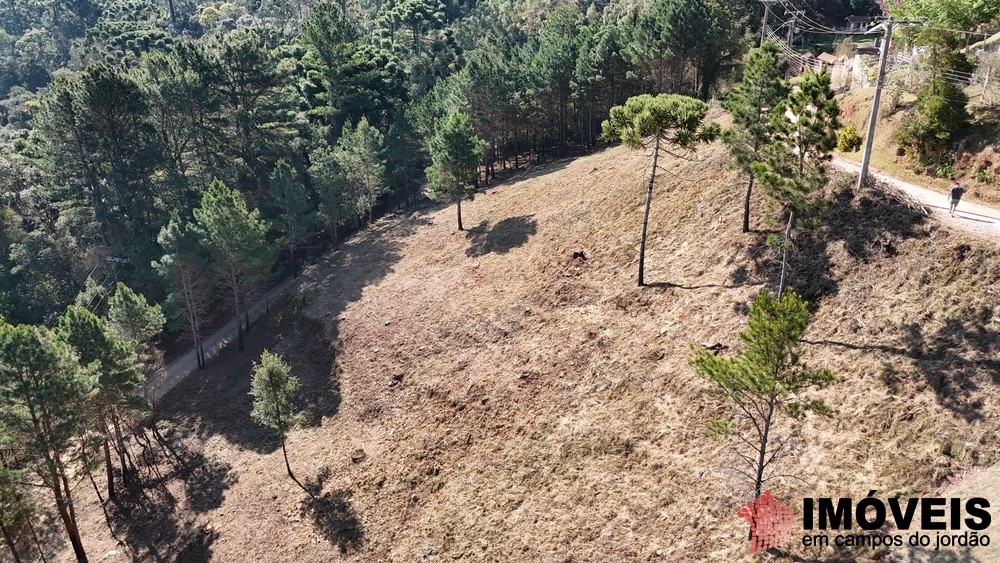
(145, 516)
(501, 238)
(954, 360)
(870, 223)
(332, 514)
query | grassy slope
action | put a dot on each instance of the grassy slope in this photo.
(546, 409)
(516, 404)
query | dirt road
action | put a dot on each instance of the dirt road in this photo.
(969, 216)
(177, 370)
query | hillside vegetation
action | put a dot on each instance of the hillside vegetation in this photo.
(974, 159)
(493, 398)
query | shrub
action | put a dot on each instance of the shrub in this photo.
(940, 116)
(848, 140)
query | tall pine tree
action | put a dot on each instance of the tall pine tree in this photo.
(455, 154)
(234, 238)
(751, 103)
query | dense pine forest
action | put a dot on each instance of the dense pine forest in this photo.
(163, 163)
(117, 116)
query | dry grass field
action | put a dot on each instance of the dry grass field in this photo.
(485, 396)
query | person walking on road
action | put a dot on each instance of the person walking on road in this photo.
(955, 195)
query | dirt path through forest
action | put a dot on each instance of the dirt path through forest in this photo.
(181, 367)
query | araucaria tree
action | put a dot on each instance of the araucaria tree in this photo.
(455, 154)
(766, 381)
(673, 121)
(43, 390)
(272, 386)
(234, 238)
(804, 132)
(751, 103)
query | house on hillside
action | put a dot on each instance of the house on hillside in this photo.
(858, 23)
(839, 69)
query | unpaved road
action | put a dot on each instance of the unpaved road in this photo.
(181, 367)
(969, 216)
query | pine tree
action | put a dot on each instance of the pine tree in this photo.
(335, 203)
(751, 103)
(183, 267)
(805, 126)
(17, 507)
(360, 154)
(234, 238)
(765, 381)
(273, 386)
(119, 377)
(672, 120)
(289, 196)
(43, 389)
(555, 63)
(132, 317)
(455, 154)
(258, 114)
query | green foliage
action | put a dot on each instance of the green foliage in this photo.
(751, 104)
(95, 140)
(43, 389)
(132, 317)
(939, 117)
(258, 118)
(674, 118)
(554, 63)
(360, 154)
(100, 349)
(126, 29)
(945, 170)
(288, 194)
(233, 235)
(957, 14)
(805, 126)
(273, 387)
(456, 152)
(767, 378)
(234, 239)
(17, 507)
(358, 79)
(183, 268)
(753, 101)
(688, 45)
(335, 204)
(848, 140)
(769, 366)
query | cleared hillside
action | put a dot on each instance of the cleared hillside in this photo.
(493, 398)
